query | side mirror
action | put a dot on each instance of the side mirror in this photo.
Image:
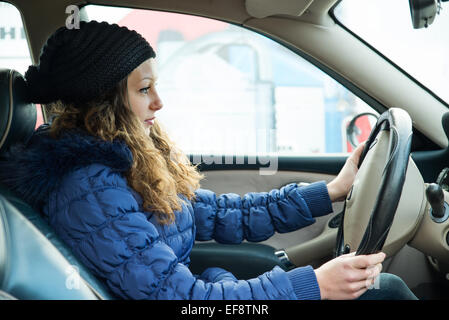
(359, 128)
(423, 12)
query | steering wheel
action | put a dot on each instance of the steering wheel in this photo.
(373, 200)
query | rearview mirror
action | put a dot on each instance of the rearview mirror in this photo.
(423, 12)
(359, 128)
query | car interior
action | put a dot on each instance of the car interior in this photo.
(400, 195)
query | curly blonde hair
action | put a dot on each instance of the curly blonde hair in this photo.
(160, 171)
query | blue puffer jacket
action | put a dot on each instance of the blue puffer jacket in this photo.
(78, 183)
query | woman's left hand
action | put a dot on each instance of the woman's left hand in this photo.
(340, 186)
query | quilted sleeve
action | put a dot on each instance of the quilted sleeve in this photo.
(105, 229)
(229, 218)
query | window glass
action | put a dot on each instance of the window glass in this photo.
(14, 50)
(227, 90)
(387, 26)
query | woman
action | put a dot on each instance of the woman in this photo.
(128, 202)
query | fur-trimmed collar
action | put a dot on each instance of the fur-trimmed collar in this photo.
(34, 169)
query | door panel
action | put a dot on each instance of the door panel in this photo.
(310, 245)
(244, 181)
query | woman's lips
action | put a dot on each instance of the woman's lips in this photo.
(149, 121)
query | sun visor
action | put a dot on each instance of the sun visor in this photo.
(265, 8)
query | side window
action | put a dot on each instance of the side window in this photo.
(230, 91)
(14, 50)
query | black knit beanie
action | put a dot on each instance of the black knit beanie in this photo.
(77, 65)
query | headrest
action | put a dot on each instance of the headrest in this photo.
(17, 117)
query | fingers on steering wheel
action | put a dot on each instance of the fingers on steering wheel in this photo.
(360, 285)
(356, 275)
(373, 271)
(365, 261)
(358, 152)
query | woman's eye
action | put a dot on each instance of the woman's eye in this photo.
(144, 90)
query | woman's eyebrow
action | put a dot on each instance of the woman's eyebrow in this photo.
(150, 78)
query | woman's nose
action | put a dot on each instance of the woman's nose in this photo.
(156, 103)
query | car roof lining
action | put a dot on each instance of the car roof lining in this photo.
(52, 13)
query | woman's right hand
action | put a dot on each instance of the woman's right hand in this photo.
(348, 276)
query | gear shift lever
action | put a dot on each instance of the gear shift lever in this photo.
(435, 196)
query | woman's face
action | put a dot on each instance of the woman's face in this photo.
(142, 94)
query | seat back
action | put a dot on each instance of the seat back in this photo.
(31, 267)
(34, 262)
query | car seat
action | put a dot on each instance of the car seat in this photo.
(34, 262)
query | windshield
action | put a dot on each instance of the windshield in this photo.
(387, 26)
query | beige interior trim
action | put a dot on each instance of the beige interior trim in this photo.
(265, 8)
(430, 238)
(244, 181)
(315, 249)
